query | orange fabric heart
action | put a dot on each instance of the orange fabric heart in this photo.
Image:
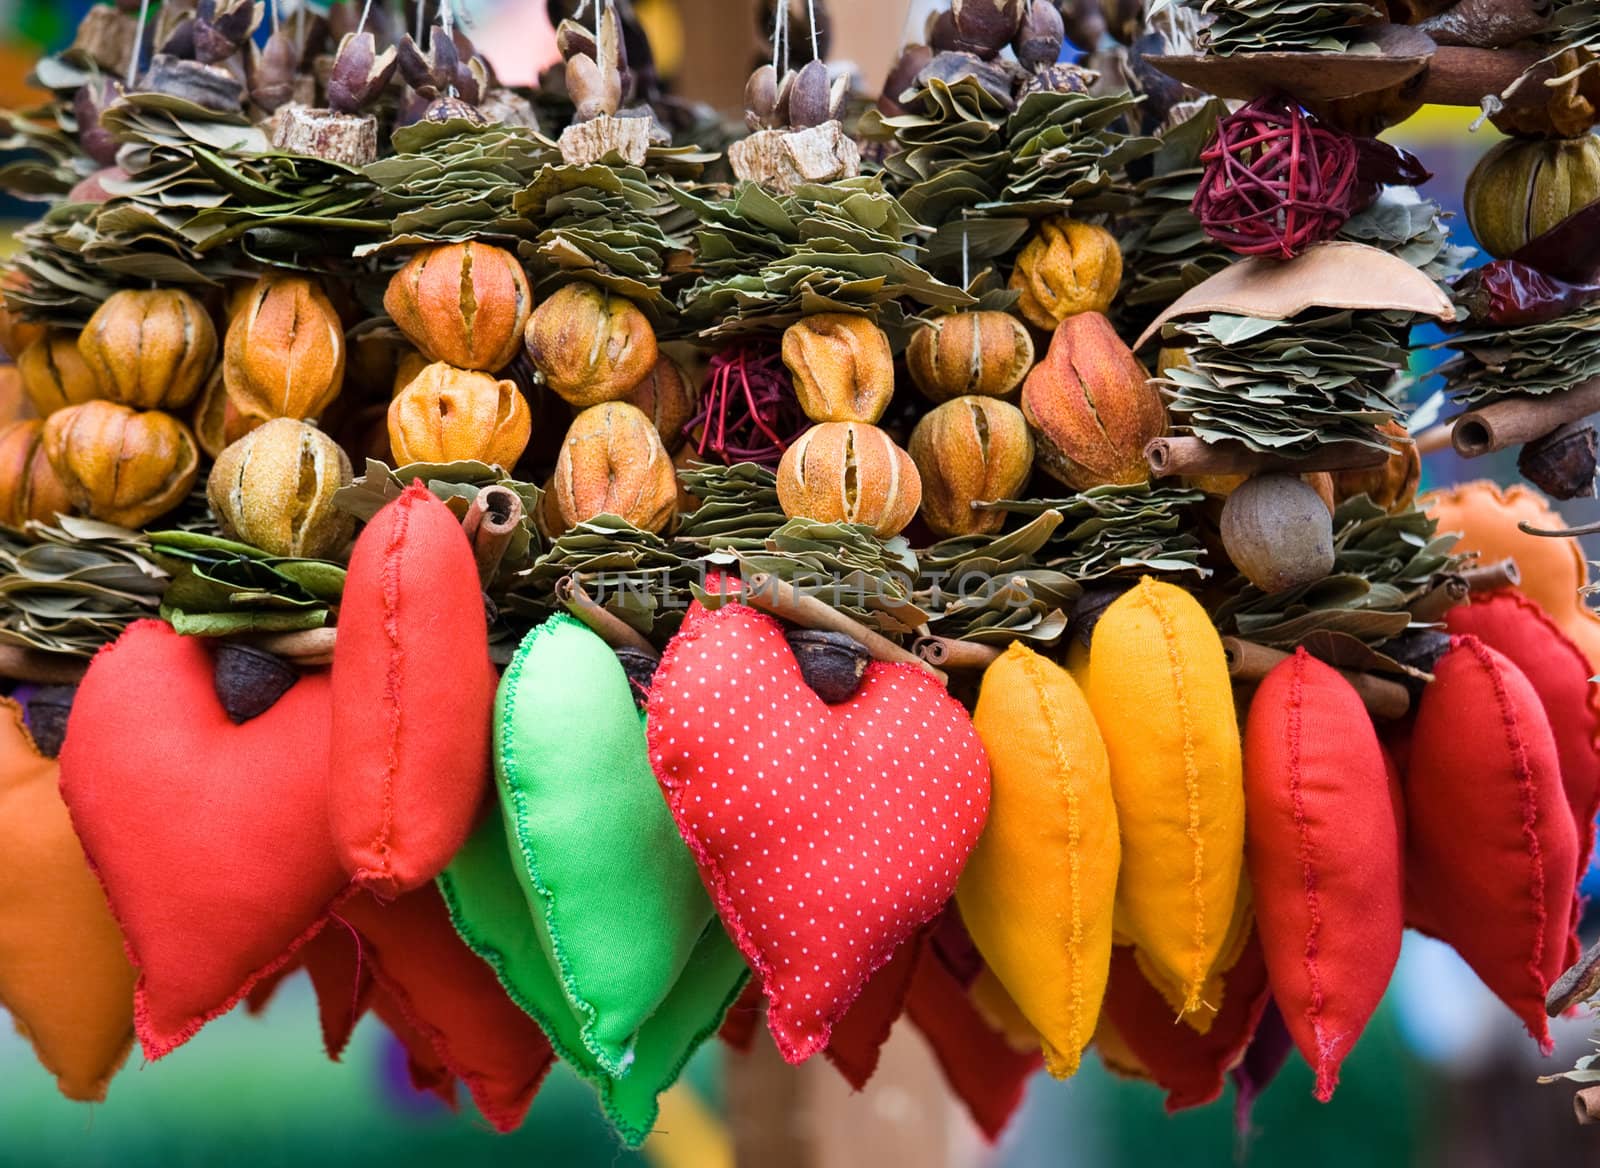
(63, 973)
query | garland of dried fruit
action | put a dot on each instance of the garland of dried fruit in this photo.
(803, 542)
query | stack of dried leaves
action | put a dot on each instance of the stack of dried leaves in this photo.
(1258, 26)
(995, 589)
(765, 260)
(846, 565)
(1404, 223)
(221, 588)
(738, 510)
(1382, 563)
(1289, 386)
(1120, 531)
(1494, 361)
(635, 574)
(73, 587)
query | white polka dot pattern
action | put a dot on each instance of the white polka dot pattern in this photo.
(826, 834)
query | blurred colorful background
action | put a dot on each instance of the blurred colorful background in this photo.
(1443, 1076)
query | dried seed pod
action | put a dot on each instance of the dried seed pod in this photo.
(274, 71)
(1092, 406)
(449, 415)
(1278, 533)
(761, 99)
(221, 28)
(360, 73)
(91, 100)
(589, 345)
(612, 462)
(150, 349)
(249, 681)
(1391, 486)
(832, 664)
(987, 353)
(29, 486)
(970, 450)
(668, 398)
(212, 87)
(120, 465)
(849, 472)
(54, 373)
(809, 103)
(990, 25)
(902, 79)
(1039, 39)
(574, 37)
(1562, 463)
(464, 303)
(274, 488)
(432, 74)
(1067, 267)
(218, 422)
(284, 356)
(1524, 186)
(842, 365)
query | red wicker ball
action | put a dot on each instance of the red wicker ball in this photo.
(1276, 181)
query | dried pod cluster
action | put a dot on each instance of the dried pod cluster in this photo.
(968, 451)
(121, 465)
(850, 472)
(612, 462)
(274, 489)
(842, 366)
(589, 345)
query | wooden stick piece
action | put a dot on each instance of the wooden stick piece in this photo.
(1248, 661)
(1446, 593)
(1434, 438)
(490, 523)
(1458, 75)
(1193, 456)
(771, 595)
(1489, 577)
(34, 665)
(609, 627)
(952, 654)
(307, 647)
(1513, 421)
(1576, 986)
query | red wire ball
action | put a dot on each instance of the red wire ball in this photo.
(1276, 181)
(748, 408)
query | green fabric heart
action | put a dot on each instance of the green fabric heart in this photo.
(582, 894)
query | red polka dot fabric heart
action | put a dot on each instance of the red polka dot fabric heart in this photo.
(826, 835)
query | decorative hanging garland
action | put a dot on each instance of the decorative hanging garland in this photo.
(561, 456)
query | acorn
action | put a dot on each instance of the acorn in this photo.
(1278, 532)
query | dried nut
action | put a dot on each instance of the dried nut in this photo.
(1067, 268)
(987, 353)
(249, 681)
(902, 79)
(284, 356)
(121, 465)
(832, 664)
(589, 345)
(360, 73)
(1562, 463)
(465, 303)
(1391, 486)
(970, 450)
(150, 349)
(16, 334)
(1524, 186)
(808, 100)
(849, 472)
(54, 373)
(218, 423)
(1278, 532)
(88, 104)
(274, 488)
(668, 399)
(1038, 41)
(989, 24)
(761, 98)
(407, 370)
(451, 415)
(612, 462)
(29, 486)
(1092, 406)
(842, 366)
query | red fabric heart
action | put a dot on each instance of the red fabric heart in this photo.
(1324, 857)
(1491, 846)
(444, 995)
(858, 1037)
(738, 1030)
(1191, 1067)
(210, 838)
(1511, 624)
(826, 834)
(982, 1069)
(413, 694)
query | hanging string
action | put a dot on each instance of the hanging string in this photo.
(780, 34)
(300, 22)
(366, 11)
(966, 273)
(811, 14)
(598, 5)
(422, 21)
(138, 43)
(447, 16)
(274, 9)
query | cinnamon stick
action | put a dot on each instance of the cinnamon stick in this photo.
(609, 627)
(1489, 577)
(1513, 421)
(957, 655)
(771, 595)
(1586, 1105)
(307, 647)
(1193, 456)
(1248, 661)
(491, 521)
(1434, 438)
(1446, 593)
(41, 668)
